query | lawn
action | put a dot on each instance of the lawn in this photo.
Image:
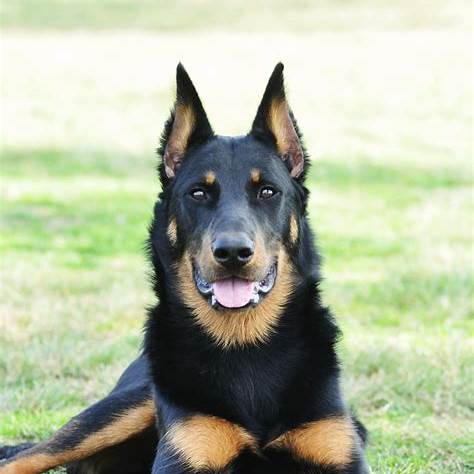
(382, 91)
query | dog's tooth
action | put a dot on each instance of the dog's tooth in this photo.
(213, 300)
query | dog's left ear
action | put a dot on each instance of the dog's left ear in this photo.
(274, 123)
(188, 125)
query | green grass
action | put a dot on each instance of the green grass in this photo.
(383, 94)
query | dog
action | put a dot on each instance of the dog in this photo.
(239, 372)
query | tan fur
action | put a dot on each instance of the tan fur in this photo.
(33, 464)
(208, 442)
(329, 442)
(37, 459)
(261, 260)
(206, 260)
(210, 178)
(287, 141)
(183, 126)
(172, 231)
(278, 123)
(294, 231)
(232, 327)
(255, 176)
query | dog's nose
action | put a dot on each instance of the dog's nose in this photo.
(233, 250)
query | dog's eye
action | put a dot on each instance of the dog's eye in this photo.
(198, 194)
(266, 192)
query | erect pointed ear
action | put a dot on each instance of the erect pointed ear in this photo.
(187, 125)
(274, 122)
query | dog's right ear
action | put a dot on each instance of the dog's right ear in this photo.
(187, 125)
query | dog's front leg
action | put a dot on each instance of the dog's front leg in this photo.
(116, 418)
(327, 446)
(195, 444)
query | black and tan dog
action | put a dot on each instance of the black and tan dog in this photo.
(239, 372)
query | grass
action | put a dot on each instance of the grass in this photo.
(386, 109)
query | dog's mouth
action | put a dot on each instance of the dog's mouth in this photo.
(235, 292)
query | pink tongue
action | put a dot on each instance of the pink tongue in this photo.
(233, 292)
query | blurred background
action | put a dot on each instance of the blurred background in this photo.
(383, 93)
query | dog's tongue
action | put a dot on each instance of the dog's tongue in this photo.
(233, 292)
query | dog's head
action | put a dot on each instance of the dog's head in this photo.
(234, 207)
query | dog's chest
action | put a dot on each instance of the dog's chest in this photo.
(253, 389)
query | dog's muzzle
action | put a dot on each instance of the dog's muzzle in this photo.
(234, 292)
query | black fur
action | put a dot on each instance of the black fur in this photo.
(268, 387)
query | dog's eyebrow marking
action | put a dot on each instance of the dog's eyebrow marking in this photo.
(210, 178)
(328, 442)
(208, 442)
(255, 176)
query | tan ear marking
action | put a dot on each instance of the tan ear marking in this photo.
(183, 126)
(328, 442)
(255, 176)
(277, 123)
(172, 231)
(208, 442)
(287, 140)
(210, 178)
